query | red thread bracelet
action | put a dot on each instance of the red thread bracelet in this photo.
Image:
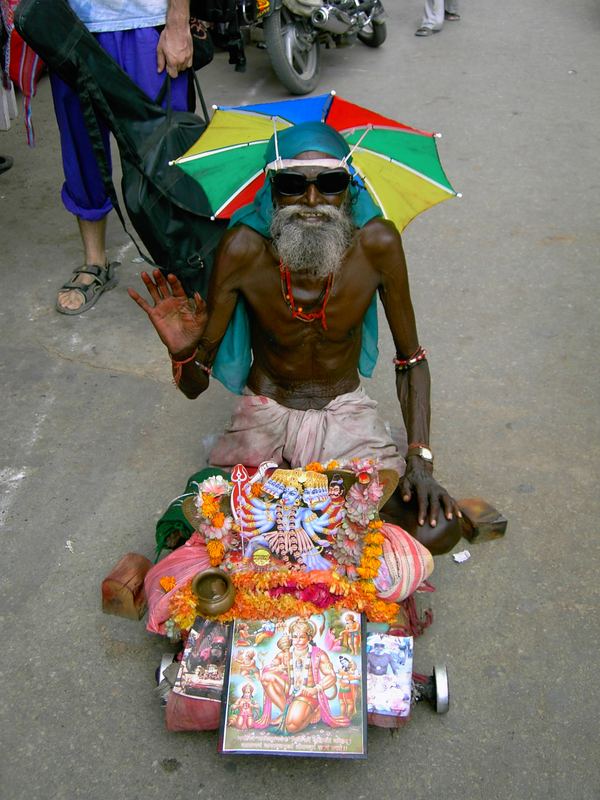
(177, 366)
(403, 364)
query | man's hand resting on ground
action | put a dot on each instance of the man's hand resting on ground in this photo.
(178, 321)
(418, 479)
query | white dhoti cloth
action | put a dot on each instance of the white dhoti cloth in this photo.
(348, 427)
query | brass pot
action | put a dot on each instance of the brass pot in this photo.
(214, 591)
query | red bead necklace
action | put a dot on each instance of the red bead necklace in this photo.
(288, 296)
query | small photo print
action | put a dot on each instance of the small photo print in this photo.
(389, 674)
(202, 667)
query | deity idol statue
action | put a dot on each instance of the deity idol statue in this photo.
(293, 525)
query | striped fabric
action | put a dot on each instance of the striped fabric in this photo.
(408, 564)
(20, 64)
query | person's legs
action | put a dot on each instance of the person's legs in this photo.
(93, 236)
(451, 11)
(83, 192)
(433, 16)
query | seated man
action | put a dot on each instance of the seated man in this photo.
(307, 258)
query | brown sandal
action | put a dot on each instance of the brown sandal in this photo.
(103, 279)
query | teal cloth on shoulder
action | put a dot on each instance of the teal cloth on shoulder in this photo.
(234, 357)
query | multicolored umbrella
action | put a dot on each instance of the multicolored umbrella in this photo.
(399, 165)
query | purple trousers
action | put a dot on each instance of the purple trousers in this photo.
(135, 51)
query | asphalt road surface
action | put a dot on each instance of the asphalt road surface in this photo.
(96, 441)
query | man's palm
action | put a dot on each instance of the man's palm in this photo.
(178, 321)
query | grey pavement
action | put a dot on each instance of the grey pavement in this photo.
(96, 441)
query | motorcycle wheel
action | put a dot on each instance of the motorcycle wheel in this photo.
(295, 59)
(373, 34)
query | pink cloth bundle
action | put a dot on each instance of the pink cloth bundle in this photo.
(191, 713)
(182, 564)
(405, 565)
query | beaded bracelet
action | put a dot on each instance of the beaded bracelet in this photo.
(404, 364)
(178, 366)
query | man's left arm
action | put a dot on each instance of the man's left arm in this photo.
(174, 50)
(412, 375)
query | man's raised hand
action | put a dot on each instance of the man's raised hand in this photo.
(179, 321)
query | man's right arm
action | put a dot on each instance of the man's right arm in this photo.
(231, 260)
(192, 331)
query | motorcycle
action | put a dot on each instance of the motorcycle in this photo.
(295, 30)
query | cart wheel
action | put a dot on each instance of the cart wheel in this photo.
(442, 691)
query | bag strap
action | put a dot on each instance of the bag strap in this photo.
(93, 103)
(201, 96)
(165, 92)
(90, 100)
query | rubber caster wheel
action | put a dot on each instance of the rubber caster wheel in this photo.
(441, 689)
(433, 688)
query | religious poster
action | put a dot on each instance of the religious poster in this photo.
(202, 668)
(297, 687)
(389, 674)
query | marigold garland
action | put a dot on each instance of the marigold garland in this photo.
(253, 601)
(216, 550)
(183, 607)
(314, 466)
(167, 583)
(218, 520)
(210, 505)
(358, 550)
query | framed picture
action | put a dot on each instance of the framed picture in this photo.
(389, 674)
(296, 687)
(202, 667)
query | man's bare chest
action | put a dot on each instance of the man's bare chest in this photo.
(295, 307)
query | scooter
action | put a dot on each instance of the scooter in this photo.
(295, 30)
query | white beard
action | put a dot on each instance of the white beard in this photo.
(315, 247)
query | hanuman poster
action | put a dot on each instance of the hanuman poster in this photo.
(296, 687)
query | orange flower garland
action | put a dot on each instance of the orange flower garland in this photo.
(253, 601)
(216, 550)
(210, 505)
(218, 520)
(167, 583)
(256, 592)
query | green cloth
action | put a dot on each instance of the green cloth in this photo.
(173, 521)
(234, 357)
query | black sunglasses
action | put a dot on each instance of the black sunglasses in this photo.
(288, 183)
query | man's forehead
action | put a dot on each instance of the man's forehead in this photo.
(308, 162)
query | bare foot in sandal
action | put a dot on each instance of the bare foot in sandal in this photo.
(85, 287)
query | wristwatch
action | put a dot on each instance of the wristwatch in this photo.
(421, 451)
